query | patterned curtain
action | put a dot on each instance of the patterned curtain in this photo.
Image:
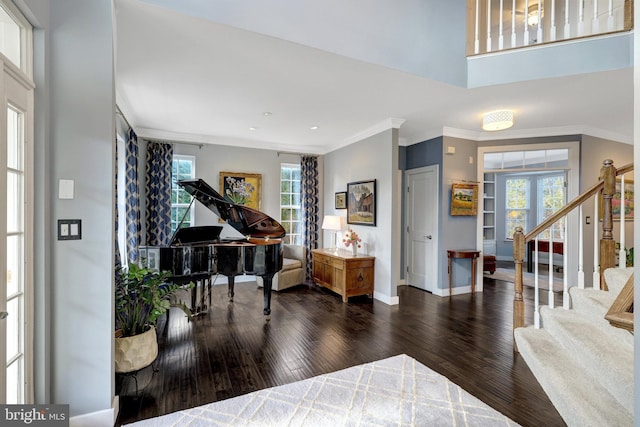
(158, 186)
(132, 194)
(310, 206)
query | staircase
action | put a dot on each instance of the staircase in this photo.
(584, 364)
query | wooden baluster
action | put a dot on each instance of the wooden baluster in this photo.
(551, 301)
(476, 46)
(552, 28)
(580, 18)
(566, 302)
(596, 239)
(580, 248)
(525, 41)
(501, 37)
(595, 24)
(488, 25)
(567, 25)
(518, 302)
(536, 286)
(622, 255)
(610, 16)
(514, 41)
(539, 37)
(607, 244)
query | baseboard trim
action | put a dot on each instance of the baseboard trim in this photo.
(104, 418)
(386, 298)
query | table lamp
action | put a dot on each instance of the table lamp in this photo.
(332, 223)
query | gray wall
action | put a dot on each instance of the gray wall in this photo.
(377, 159)
(74, 140)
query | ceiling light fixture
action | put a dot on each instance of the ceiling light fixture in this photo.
(266, 113)
(313, 127)
(497, 120)
(534, 14)
(253, 128)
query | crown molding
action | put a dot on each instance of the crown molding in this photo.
(390, 123)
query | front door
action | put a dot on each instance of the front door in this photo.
(422, 227)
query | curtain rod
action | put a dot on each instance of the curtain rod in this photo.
(168, 141)
(278, 153)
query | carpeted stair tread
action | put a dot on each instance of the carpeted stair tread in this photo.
(578, 398)
(595, 303)
(596, 349)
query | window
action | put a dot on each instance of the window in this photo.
(517, 205)
(16, 36)
(290, 212)
(551, 198)
(183, 167)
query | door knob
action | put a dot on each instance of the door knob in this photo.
(428, 237)
(3, 315)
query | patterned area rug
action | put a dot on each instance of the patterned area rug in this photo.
(398, 391)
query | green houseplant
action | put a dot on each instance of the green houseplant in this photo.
(141, 297)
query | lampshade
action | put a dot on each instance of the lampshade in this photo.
(332, 222)
(497, 120)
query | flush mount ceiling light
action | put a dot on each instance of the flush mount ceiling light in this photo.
(534, 14)
(497, 120)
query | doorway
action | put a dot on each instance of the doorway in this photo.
(422, 207)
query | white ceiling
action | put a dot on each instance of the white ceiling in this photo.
(184, 78)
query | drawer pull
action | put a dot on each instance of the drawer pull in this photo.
(360, 278)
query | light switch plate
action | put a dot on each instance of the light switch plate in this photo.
(69, 229)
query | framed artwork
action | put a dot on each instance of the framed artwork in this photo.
(464, 199)
(361, 202)
(616, 202)
(341, 200)
(242, 188)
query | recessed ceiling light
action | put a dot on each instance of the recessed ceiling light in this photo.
(266, 113)
(313, 127)
(253, 128)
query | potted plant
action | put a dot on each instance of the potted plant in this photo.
(141, 297)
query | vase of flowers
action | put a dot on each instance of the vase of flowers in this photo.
(352, 239)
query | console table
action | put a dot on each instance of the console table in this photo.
(343, 273)
(466, 254)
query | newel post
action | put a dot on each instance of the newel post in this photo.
(607, 244)
(518, 302)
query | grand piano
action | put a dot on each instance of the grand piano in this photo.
(197, 253)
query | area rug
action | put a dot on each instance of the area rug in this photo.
(528, 279)
(398, 391)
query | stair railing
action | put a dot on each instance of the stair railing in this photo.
(604, 244)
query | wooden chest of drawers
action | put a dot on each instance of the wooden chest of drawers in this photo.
(343, 273)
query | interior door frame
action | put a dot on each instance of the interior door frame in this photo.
(573, 190)
(436, 209)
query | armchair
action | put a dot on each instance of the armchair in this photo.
(293, 268)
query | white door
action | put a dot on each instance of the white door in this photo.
(16, 242)
(422, 227)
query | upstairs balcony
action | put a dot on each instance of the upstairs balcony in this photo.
(516, 40)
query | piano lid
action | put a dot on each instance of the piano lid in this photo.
(249, 222)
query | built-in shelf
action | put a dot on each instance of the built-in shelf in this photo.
(489, 214)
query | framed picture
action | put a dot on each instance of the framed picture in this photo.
(464, 199)
(242, 188)
(361, 202)
(341, 200)
(616, 202)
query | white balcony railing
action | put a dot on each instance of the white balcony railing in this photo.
(495, 25)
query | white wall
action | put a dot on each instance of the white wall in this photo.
(376, 158)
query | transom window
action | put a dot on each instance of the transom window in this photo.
(290, 206)
(15, 37)
(183, 167)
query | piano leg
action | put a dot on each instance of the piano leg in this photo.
(232, 282)
(267, 281)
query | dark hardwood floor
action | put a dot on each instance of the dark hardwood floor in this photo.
(232, 351)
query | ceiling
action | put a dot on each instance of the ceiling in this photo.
(184, 78)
